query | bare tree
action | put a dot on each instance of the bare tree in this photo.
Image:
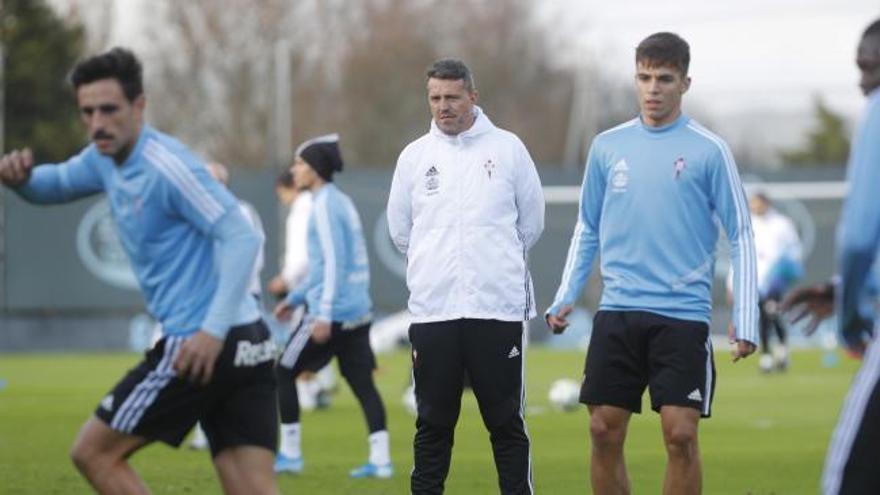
(383, 73)
(357, 68)
(382, 81)
(96, 16)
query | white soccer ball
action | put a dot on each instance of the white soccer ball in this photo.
(564, 394)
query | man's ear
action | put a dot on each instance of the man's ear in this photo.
(140, 103)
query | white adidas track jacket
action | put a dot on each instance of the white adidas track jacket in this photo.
(465, 210)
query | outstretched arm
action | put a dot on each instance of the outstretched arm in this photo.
(50, 183)
(815, 302)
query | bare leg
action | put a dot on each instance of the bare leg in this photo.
(608, 426)
(101, 454)
(683, 470)
(246, 470)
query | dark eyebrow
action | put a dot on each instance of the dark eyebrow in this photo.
(105, 108)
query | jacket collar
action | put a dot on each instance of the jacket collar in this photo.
(481, 125)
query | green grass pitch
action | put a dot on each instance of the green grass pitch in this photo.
(767, 436)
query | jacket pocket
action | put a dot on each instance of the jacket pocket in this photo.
(431, 272)
(495, 276)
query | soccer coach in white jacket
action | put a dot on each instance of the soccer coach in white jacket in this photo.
(465, 207)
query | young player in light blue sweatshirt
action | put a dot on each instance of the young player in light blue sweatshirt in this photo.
(655, 189)
(338, 310)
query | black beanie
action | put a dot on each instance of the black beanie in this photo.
(322, 154)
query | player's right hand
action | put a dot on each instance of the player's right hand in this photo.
(196, 357)
(283, 311)
(559, 322)
(16, 166)
(815, 302)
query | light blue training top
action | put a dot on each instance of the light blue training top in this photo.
(859, 229)
(338, 285)
(650, 205)
(191, 248)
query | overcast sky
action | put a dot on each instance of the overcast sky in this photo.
(745, 54)
(765, 54)
(756, 65)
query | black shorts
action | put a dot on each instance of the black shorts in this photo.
(350, 344)
(631, 350)
(238, 407)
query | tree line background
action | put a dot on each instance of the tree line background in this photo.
(356, 67)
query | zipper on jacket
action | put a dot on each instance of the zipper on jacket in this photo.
(459, 200)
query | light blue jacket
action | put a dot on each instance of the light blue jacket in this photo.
(338, 285)
(650, 205)
(190, 246)
(859, 230)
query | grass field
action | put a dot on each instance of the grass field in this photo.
(767, 436)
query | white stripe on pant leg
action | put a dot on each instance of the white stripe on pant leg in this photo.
(412, 371)
(296, 345)
(136, 396)
(707, 395)
(160, 378)
(292, 342)
(851, 419)
(139, 394)
(522, 402)
(293, 350)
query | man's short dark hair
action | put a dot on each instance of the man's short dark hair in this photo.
(452, 69)
(664, 49)
(119, 63)
(763, 197)
(872, 30)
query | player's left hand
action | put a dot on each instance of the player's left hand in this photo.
(196, 358)
(742, 348)
(559, 322)
(321, 331)
(277, 286)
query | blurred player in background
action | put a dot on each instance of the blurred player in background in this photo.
(313, 389)
(221, 174)
(338, 310)
(652, 191)
(852, 465)
(295, 262)
(193, 252)
(778, 252)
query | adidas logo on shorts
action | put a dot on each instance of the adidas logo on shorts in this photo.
(107, 403)
(696, 395)
(514, 352)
